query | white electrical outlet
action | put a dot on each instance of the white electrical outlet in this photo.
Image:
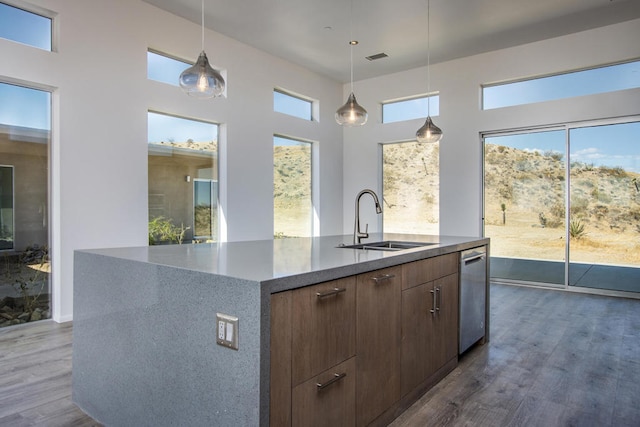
(221, 329)
(227, 330)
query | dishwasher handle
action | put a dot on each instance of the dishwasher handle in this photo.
(473, 259)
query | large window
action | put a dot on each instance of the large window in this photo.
(292, 203)
(25, 27)
(163, 68)
(183, 180)
(565, 217)
(24, 204)
(411, 188)
(292, 105)
(578, 83)
(409, 109)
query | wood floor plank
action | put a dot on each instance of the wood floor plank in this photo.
(555, 359)
(35, 376)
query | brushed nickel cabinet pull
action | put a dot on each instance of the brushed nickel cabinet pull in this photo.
(433, 294)
(438, 298)
(382, 278)
(336, 377)
(334, 291)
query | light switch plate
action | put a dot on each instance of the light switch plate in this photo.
(227, 330)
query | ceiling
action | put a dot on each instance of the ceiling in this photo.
(315, 33)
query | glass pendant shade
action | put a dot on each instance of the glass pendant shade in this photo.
(351, 113)
(429, 132)
(202, 81)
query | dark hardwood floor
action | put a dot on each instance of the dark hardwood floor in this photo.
(555, 359)
(35, 377)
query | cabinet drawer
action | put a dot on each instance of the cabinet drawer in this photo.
(327, 399)
(323, 327)
(426, 270)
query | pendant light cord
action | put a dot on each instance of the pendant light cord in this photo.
(202, 26)
(428, 61)
(351, 42)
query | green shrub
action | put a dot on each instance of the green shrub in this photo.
(576, 229)
(162, 229)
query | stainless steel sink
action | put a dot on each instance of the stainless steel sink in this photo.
(387, 245)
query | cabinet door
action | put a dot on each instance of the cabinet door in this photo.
(416, 324)
(327, 399)
(324, 327)
(443, 345)
(378, 342)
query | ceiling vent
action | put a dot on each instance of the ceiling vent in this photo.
(377, 56)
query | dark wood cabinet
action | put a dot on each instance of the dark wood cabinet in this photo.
(429, 319)
(378, 342)
(443, 331)
(416, 325)
(327, 399)
(324, 327)
(358, 350)
(313, 334)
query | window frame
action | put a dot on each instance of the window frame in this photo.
(312, 146)
(427, 96)
(41, 12)
(165, 55)
(541, 77)
(313, 104)
(215, 164)
(381, 182)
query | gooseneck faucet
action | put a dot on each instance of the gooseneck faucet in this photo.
(357, 234)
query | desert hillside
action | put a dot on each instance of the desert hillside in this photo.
(605, 202)
(525, 204)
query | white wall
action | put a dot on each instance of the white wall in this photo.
(462, 120)
(101, 97)
(99, 129)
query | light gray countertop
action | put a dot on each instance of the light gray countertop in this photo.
(282, 264)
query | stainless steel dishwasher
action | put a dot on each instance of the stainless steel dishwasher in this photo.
(473, 278)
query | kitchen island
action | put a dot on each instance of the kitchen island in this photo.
(145, 323)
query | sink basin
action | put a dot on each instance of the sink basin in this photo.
(387, 245)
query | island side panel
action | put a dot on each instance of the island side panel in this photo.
(144, 345)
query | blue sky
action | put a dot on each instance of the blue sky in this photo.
(613, 146)
(13, 22)
(587, 82)
(20, 106)
(175, 129)
(164, 69)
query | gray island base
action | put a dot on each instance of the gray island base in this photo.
(145, 329)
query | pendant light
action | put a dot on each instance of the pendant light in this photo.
(200, 80)
(351, 113)
(429, 132)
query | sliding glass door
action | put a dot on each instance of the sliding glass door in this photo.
(524, 202)
(559, 219)
(604, 226)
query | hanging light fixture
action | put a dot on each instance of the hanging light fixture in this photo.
(351, 113)
(429, 132)
(201, 80)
